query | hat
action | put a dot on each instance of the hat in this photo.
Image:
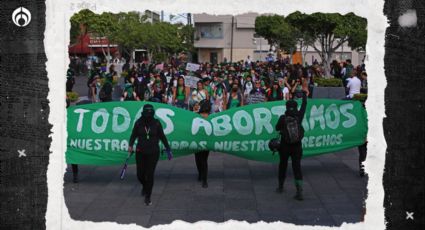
(148, 110)
(291, 105)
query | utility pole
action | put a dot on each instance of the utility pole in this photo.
(231, 40)
(189, 19)
(162, 15)
(261, 50)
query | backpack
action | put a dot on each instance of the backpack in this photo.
(103, 94)
(292, 130)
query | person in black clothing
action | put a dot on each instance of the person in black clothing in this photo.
(201, 157)
(105, 93)
(70, 79)
(74, 167)
(362, 157)
(293, 150)
(148, 131)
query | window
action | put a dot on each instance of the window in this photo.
(214, 30)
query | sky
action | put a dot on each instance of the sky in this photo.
(177, 19)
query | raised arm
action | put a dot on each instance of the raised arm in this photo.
(303, 105)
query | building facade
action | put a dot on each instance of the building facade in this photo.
(227, 37)
(233, 38)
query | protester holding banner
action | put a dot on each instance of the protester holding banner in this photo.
(289, 125)
(201, 157)
(148, 131)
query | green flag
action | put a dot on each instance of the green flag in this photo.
(98, 134)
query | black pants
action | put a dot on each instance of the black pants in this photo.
(294, 151)
(362, 154)
(74, 170)
(201, 159)
(146, 164)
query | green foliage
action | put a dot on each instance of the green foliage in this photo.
(81, 19)
(131, 31)
(277, 32)
(264, 26)
(72, 96)
(284, 35)
(330, 31)
(331, 82)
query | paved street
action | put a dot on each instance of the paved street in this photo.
(238, 189)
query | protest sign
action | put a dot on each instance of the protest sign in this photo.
(192, 67)
(159, 66)
(191, 81)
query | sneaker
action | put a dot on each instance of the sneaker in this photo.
(299, 194)
(148, 201)
(204, 184)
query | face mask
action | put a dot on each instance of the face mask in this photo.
(148, 114)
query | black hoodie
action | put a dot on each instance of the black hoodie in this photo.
(291, 110)
(148, 132)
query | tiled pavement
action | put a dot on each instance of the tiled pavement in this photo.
(238, 189)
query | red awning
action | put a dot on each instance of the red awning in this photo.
(88, 45)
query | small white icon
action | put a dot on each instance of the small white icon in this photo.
(22, 153)
(21, 17)
(409, 215)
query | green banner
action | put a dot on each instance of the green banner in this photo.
(98, 134)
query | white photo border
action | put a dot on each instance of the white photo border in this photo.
(56, 42)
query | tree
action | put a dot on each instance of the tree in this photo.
(284, 37)
(304, 40)
(187, 33)
(80, 24)
(330, 31)
(130, 32)
(265, 26)
(105, 25)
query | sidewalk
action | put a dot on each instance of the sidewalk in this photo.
(238, 189)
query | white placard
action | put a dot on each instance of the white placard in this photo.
(192, 67)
